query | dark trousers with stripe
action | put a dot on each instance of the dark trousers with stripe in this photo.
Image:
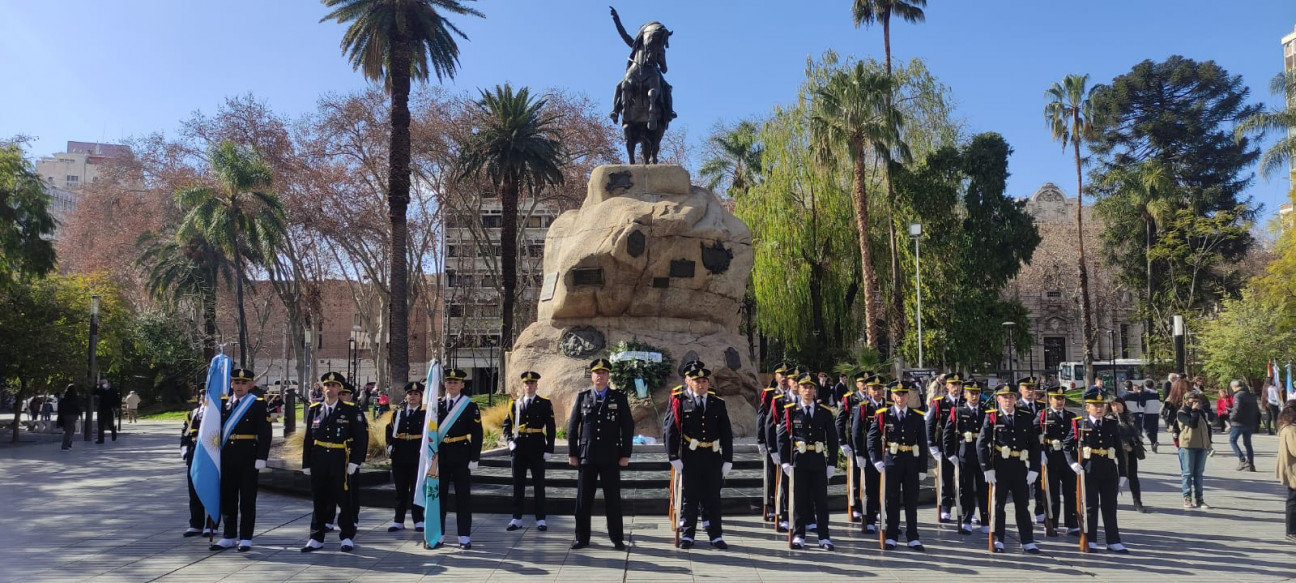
(196, 512)
(329, 489)
(523, 462)
(405, 475)
(702, 480)
(1062, 490)
(238, 494)
(457, 474)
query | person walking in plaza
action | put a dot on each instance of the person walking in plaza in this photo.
(68, 412)
(530, 430)
(188, 442)
(460, 421)
(1178, 391)
(1245, 417)
(1273, 400)
(1095, 440)
(132, 403)
(1009, 454)
(336, 441)
(808, 447)
(897, 443)
(47, 408)
(960, 449)
(243, 454)
(109, 401)
(938, 415)
(404, 433)
(1151, 422)
(600, 437)
(1194, 438)
(1132, 448)
(1285, 470)
(698, 437)
(862, 421)
(1055, 425)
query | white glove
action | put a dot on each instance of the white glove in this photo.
(353, 468)
(184, 451)
(935, 452)
(846, 449)
(678, 464)
(306, 471)
(990, 476)
(1043, 458)
(259, 464)
(1031, 476)
(472, 466)
(725, 469)
(787, 469)
(547, 455)
(1077, 468)
(860, 461)
(512, 445)
(777, 461)
(389, 450)
(922, 476)
(831, 470)
(762, 449)
(953, 459)
(1123, 482)
(881, 467)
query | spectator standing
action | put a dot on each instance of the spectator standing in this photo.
(1193, 420)
(1222, 406)
(1179, 389)
(47, 409)
(69, 410)
(1151, 413)
(1286, 468)
(132, 407)
(110, 402)
(1132, 448)
(1273, 405)
(1245, 416)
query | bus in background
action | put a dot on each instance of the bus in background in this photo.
(1071, 375)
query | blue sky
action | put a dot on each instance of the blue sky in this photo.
(106, 71)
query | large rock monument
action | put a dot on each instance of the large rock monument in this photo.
(646, 257)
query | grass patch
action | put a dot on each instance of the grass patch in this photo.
(177, 416)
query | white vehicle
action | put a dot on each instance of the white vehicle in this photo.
(1071, 375)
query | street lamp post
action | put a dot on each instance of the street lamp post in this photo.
(1111, 349)
(1012, 370)
(915, 233)
(355, 354)
(1181, 364)
(93, 372)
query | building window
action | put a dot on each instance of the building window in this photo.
(452, 250)
(455, 310)
(1124, 341)
(1054, 294)
(355, 319)
(491, 221)
(72, 179)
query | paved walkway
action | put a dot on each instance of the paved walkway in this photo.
(114, 512)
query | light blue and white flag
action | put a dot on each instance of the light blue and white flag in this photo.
(205, 469)
(1291, 392)
(427, 489)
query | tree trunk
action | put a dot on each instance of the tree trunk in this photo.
(1147, 306)
(209, 318)
(242, 315)
(872, 328)
(508, 259)
(896, 315)
(398, 189)
(1085, 316)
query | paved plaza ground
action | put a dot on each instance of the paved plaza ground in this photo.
(114, 512)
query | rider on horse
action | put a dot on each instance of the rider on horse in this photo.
(647, 49)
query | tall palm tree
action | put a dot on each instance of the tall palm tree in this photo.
(179, 273)
(736, 159)
(396, 41)
(881, 11)
(515, 144)
(1069, 115)
(852, 111)
(1146, 187)
(240, 217)
(1282, 154)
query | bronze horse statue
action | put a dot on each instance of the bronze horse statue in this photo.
(642, 102)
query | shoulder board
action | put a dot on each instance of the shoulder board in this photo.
(832, 410)
(541, 398)
(224, 397)
(316, 404)
(789, 405)
(990, 410)
(920, 411)
(711, 392)
(351, 403)
(260, 399)
(768, 389)
(881, 411)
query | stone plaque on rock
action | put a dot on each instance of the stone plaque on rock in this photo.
(733, 360)
(582, 342)
(635, 244)
(587, 276)
(681, 268)
(716, 258)
(547, 287)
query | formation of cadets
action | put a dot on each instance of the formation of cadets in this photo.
(986, 451)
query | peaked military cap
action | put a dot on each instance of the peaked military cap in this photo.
(1005, 389)
(897, 387)
(347, 389)
(241, 374)
(698, 373)
(1057, 391)
(874, 380)
(781, 368)
(455, 374)
(972, 385)
(863, 376)
(953, 378)
(600, 364)
(333, 377)
(414, 387)
(530, 376)
(1026, 382)
(806, 378)
(692, 364)
(1094, 395)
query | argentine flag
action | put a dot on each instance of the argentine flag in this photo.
(205, 469)
(427, 487)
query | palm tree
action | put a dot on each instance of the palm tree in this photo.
(240, 217)
(1282, 154)
(1145, 188)
(852, 111)
(396, 41)
(1069, 115)
(515, 144)
(179, 273)
(881, 11)
(736, 159)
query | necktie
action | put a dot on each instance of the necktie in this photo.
(809, 412)
(1009, 419)
(327, 411)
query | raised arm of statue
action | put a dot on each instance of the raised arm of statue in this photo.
(629, 40)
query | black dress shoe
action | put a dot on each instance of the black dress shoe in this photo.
(720, 545)
(827, 546)
(998, 549)
(244, 548)
(918, 548)
(1032, 551)
(542, 527)
(310, 549)
(620, 546)
(418, 529)
(686, 544)
(189, 533)
(512, 527)
(392, 529)
(888, 547)
(465, 546)
(796, 546)
(347, 548)
(579, 545)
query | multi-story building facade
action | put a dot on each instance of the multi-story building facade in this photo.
(65, 173)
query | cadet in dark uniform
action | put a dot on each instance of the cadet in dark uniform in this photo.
(699, 443)
(763, 417)
(864, 416)
(335, 443)
(404, 434)
(846, 412)
(897, 443)
(1055, 424)
(460, 450)
(188, 435)
(786, 395)
(1097, 441)
(808, 446)
(600, 434)
(242, 456)
(1028, 390)
(530, 431)
(348, 396)
(1009, 454)
(961, 448)
(938, 414)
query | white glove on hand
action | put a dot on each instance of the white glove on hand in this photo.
(860, 461)
(725, 469)
(831, 470)
(787, 469)
(935, 452)
(353, 468)
(1123, 482)
(1077, 468)
(762, 449)
(306, 471)
(389, 450)
(922, 476)
(777, 461)
(881, 467)
(953, 459)
(1043, 458)
(259, 464)
(472, 466)
(547, 455)
(184, 451)
(678, 464)
(1031, 476)
(990, 476)
(846, 449)
(512, 445)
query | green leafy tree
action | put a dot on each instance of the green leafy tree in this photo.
(25, 221)
(1069, 115)
(515, 145)
(1248, 333)
(1282, 153)
(185, 274)
(1195, 251)
(163, 355)
(734, 162)
(239, 216)
(397, 41)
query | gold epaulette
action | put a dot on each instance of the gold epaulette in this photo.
(832, 410)
(316, 403)
(920, 412)
(351, 403)
(882, 410)
(789, 405)
(768, 389)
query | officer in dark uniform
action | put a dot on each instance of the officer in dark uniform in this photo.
(530, 431)
(1055, 424)
(335, 443)
(763, 419)
(699, 442)
(787, 394)
(404, 434)
(863, 418)
(1028, 389)
(1009, 454)
(897, 443)
(600, 436)
(243, 454)
(1095, 441)
(459, 453)
(348, 396)
(846, 413)
(960, 448)
(938, 414)
(188, 440)
(808, 446)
